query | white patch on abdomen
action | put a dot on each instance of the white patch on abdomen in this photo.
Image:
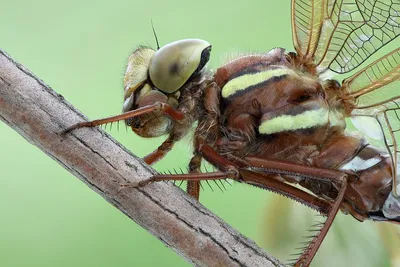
(359, 164)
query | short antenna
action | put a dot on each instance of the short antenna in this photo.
(155, 35)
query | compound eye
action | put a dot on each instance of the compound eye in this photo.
(174, 64)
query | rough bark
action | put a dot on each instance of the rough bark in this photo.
(38, 113)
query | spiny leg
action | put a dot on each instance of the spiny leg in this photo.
(313, 247)
(208, 126)
(333, 176)
(288, 168)
(193, 187)
(269, 183)
(229, 170)
(256, 176)
(293, 169)
(162, 107)
(320, 205)
(162, 150)
(181, 177)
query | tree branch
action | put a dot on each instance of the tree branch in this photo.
(38, 113)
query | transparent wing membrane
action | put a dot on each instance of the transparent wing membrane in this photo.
(347, 34)
(308, 17)
(387, 115)
(383, 74)
(375, 91)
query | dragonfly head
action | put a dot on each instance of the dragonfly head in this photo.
(160, 77)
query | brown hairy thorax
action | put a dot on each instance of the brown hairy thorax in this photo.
(287, 95)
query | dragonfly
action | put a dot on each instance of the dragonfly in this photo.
(274, 120)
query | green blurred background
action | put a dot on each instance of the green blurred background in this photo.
(50, 218)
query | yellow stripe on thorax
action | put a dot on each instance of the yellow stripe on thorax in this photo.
(244, 81)
(305, 120)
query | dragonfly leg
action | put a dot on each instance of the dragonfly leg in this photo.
(163, 107)
(269, 182)
(261, 173)
(162, 150)
(309, 253)
(193, 187)
(287, 168)
(181, 177)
